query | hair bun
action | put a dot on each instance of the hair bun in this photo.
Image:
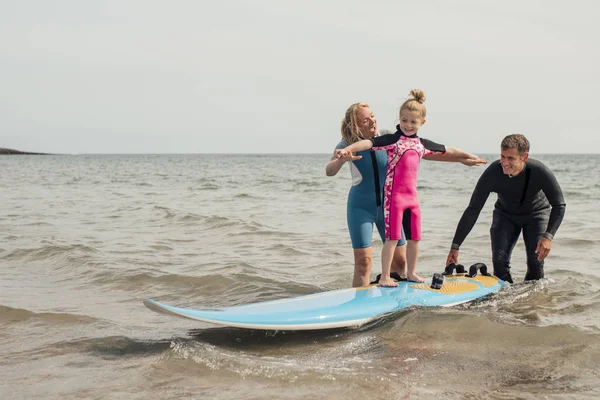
(418, 95)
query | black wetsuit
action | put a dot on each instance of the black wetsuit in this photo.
(531, 202)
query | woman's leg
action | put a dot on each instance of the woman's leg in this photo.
(363, 261)
(360, 227)
(363, 264)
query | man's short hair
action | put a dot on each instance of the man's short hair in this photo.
(516, 141)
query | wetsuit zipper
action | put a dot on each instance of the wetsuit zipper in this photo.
(376, 173)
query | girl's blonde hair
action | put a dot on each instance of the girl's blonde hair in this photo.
(415, 103)
(350, 132)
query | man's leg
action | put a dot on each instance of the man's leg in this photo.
(504, 234)
(532, 233)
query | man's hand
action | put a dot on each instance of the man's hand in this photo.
(452, 257)
(543, 248)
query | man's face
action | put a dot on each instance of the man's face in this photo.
(512, 162)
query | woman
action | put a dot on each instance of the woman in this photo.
(364, 206)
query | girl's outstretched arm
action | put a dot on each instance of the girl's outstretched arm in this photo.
(454, 154)
(361, 145)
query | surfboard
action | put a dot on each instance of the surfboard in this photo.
(339, 308)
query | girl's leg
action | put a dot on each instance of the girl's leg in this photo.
(363, 259)
(412, 254)
(387, 254)
(399, 261)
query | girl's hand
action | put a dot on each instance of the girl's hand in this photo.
(340, 153)
(345, 155)
(473, 160)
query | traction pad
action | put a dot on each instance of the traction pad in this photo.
(394, 275)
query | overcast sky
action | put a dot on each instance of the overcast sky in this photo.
(276, 76)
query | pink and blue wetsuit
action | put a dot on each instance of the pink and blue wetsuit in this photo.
(401, 204)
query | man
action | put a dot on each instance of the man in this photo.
(529, 200)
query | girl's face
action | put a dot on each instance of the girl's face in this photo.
(410, 121)
(367, 123)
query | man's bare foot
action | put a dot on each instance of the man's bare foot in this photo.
(387, 281)
(415, 278)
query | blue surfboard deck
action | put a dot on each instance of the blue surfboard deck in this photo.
(339, 308)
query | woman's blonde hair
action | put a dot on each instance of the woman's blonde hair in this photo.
(415, 103)
(350, 131)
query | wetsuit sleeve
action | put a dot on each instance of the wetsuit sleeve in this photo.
(478, 198)
(432, 147)
(386, 140)
(555, 197)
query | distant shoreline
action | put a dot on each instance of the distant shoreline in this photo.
(6, 151)
(17, 152)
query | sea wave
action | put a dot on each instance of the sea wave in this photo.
(13, 315)
(50, 251)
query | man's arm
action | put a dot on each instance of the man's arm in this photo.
(471, 213)
(553, 193)
(467, 221)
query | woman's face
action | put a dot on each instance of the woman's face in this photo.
(367, 123)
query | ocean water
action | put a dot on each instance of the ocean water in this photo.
(83, 239)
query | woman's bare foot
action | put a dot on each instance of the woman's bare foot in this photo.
(415, 278)
(387, 281)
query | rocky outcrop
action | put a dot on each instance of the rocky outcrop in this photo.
(11, 151)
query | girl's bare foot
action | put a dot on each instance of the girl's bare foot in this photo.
(401, 272)
(415, 278)
(388, 282)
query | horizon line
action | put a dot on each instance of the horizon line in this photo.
(25, 153)
(9, 151)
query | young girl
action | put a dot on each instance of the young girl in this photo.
(401, 205)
